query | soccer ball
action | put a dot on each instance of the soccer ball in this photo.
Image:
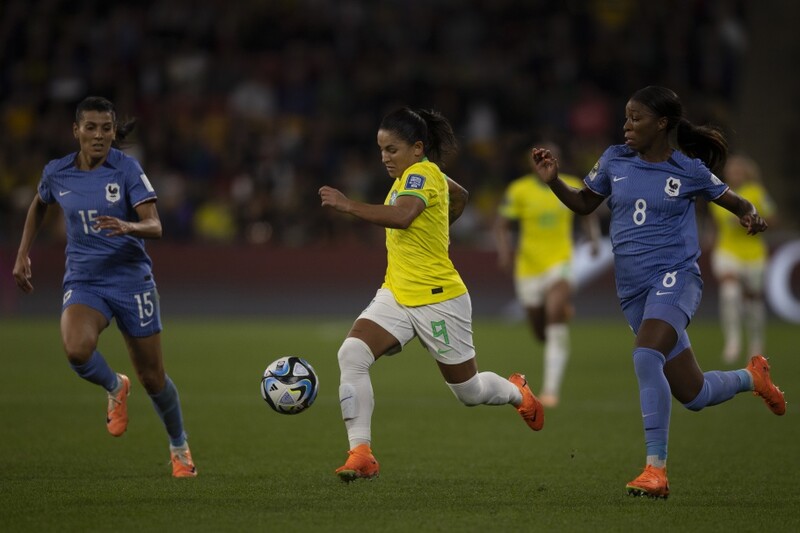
(289, 385)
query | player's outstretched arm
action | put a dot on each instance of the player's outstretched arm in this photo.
(398, 216)
(545, 165)
(746, 211)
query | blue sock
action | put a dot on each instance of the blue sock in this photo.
(97, 371)
(168, 407)
(655, 399)
(719, 387)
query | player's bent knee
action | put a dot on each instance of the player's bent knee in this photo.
(470, 393)
(78, 353)
(153, 382)
(354, 354)
(701, 400)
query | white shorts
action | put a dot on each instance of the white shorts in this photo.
(531, 290)
(444, 328)
(751, 273)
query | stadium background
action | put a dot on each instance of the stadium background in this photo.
(246, 108)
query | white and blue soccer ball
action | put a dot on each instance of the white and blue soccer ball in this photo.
(289, 385)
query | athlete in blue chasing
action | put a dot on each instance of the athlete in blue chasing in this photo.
(109, 207)
(651, 189)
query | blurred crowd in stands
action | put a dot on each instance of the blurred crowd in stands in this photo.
(245, 109)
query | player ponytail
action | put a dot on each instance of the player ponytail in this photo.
(706, 143)
(703, 142)
(430, 127)
(442, 141)
(103, 105)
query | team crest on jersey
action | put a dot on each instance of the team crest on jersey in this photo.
(673, 186)
(112, 192)
(415, 181)
(595, 169)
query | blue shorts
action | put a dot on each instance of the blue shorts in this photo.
(673, 299)
(136, 309)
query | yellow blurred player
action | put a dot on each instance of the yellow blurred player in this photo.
(542, 267)
(738, 262)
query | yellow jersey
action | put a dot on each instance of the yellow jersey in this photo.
(732, 238)
(419, 270)
(545, 224)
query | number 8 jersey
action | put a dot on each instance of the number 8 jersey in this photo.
(653, 227)
(114, 189)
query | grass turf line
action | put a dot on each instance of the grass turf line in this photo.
(444, 467)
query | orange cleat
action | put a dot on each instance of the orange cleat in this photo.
(360, 464)
(530, 409)
(117, 412)
(651, 483)
(763, 386)
(182, 464)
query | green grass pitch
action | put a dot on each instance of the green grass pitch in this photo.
(444, 467)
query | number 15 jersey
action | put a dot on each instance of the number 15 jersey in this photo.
(114, 189)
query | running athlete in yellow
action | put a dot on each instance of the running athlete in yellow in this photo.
(542, 267)
(422, 295)
(738, 262)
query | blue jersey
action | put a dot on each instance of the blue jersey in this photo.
(653, 227)
(114, 189)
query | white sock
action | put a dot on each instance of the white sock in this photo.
(556, 354)
(653, 460)
(182, 448)
(117, 388)
(486, 388)
(356, 397)
(730, 315)
(756, 313)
